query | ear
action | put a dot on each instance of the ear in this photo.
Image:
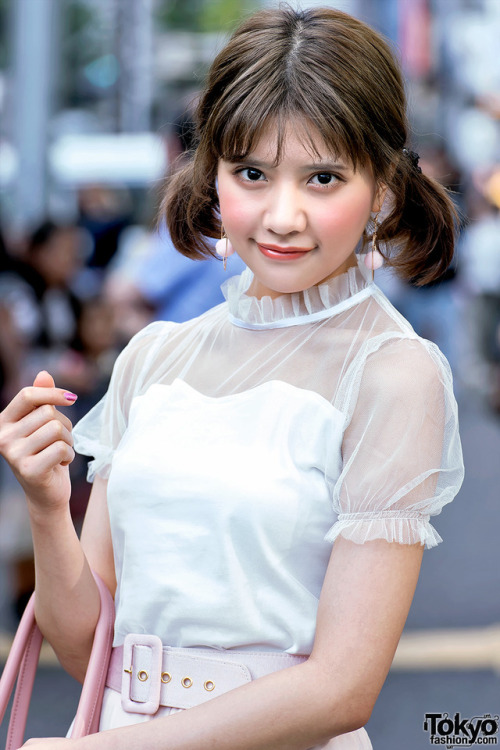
(379, 199)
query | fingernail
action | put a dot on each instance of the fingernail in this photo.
(70, 396)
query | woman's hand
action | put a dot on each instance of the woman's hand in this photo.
(36, 441)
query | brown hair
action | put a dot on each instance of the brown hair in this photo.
(337, 74)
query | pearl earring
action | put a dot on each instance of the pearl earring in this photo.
(373, 258)
(223, 247)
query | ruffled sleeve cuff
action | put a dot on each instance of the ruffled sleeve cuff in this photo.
(403, 527)
(88, 441)
(103, 456)
(101, 467)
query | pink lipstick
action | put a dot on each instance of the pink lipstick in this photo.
(276, 252)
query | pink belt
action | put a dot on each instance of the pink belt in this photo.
(149, 675)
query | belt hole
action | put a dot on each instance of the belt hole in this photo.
(142, 675)
(186, 682)
(166, 677)
(209, 685)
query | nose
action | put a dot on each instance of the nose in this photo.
(285, 212)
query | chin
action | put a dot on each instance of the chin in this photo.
(291, 287)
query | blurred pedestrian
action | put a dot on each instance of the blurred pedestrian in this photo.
(104, 213)
(38, 291)
(176, 288)
(16, 548)
(39, 314)
(10, 341)
(480, 252)
(149, 274)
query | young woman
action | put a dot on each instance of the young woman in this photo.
(265, 473)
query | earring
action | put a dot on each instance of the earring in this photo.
(373, 258)
(223, 247)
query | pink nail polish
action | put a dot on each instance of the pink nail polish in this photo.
(70, 396)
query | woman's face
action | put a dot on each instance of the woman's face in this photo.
(298, 223)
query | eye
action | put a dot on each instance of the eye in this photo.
(250, 174)
(324, 179)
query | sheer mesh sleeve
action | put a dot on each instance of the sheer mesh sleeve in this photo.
(401, 453)
(98, 433)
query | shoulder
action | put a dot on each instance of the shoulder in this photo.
(164, 339)
(160, 331)
(133, 357)
(151, 334)
(393, 352)
(403, 357)
(406, 373)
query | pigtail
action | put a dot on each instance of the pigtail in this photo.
(421, 229)
(189, 210)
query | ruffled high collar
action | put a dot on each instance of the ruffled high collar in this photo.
(298, 308)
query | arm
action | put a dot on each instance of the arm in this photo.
(68, 604)
(363, 606)
(35, 439)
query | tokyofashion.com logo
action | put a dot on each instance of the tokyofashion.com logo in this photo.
(455, 731)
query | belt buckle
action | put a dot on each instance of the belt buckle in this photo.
(141, 676)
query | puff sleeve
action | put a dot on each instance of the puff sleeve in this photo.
(99, 432)
(401, 451)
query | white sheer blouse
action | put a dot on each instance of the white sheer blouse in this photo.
(239, 445)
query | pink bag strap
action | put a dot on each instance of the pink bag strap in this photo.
(22, 664)
(22, 661)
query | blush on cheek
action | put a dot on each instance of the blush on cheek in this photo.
(233, 210)
(347, 220)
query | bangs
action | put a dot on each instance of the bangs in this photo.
(241, 128)
(303, 70)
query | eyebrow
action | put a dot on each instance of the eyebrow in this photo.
(327, 166)
(324, 166)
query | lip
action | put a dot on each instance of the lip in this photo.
(277, 252)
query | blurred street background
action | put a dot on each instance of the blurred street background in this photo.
(96, 102)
